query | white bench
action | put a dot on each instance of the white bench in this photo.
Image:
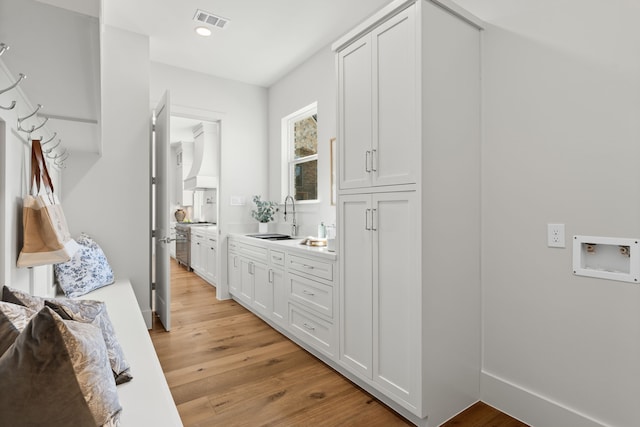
(146, 400)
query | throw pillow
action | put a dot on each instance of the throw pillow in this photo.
(87, 311)
(57, 374)
(87, 270)
(13, 319)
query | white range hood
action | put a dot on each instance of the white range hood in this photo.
(204, 171)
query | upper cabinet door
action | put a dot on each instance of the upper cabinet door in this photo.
(378, 96)
(395, 147)
(355, 114)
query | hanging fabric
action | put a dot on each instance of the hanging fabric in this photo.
(46, 237)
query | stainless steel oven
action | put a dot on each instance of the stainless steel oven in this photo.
(183, 245)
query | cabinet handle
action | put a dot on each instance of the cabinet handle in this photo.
(270, 276)
(366, 220)
(367, 157)
(373, 220)
(251, 268)
(306, 292)
(235, 261)
(373, 160)
(277, 258)
(308, 267)
(309, 327)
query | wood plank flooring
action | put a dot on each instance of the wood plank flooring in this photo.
(226, 367)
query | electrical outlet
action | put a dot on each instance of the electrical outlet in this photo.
(555, 235)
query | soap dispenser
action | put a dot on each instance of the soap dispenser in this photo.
(322, 231)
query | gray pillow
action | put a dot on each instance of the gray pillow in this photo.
(95, 313)
(13, 319)
(57, 374)
(86, 311)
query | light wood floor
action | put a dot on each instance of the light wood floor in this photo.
(226, 367)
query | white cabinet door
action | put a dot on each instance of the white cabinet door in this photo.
(262, 290)
(396, 294)
(378, 95)
(354, 112)
(356, 310)
(212, 257)
(246, 280)
(196, 243)
(395, 151)
(234, 273)
(280, 296)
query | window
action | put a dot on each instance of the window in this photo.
(300, 148)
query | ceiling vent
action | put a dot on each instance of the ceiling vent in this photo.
(210, 19)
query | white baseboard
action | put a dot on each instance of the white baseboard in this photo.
(529, 407)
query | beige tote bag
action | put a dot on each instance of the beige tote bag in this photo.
(46, 238)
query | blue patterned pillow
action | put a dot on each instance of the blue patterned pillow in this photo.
(86, 271)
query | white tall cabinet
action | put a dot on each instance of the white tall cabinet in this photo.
(409, 207)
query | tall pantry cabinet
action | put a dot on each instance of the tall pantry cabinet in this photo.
(409, 207)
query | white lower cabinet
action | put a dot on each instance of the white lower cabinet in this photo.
(211, 265)
(311, 302)
(204, 254)
(379, 293)
(280, 295)
(233, 267)
(294, 291)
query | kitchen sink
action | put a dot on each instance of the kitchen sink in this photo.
(271, 236)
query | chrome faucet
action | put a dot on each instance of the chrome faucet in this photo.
(294, 227)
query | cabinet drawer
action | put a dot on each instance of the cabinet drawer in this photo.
(313, 267)
(277, 257)
(311, 294)
(311, 329)
(254, 252)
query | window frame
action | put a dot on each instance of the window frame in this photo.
(289, 162)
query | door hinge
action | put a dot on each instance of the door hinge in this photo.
(153, 127)
(153, 286)
(153, 233)
(154, 180)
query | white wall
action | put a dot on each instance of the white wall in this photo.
(312, 81)
(15, 160)
(108, 196)
(561, 145)
(242, 109)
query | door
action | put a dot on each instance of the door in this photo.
(246, 280)
(395, 153)
(396, 294)
(262, 289)
(160, 197)
(356, 311)
(354, 110)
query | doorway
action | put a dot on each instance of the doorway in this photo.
(199, 205)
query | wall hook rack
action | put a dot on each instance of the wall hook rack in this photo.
(43, 143)
(3, 48)
(34, 127)
(57, 155)
(62, 158)
(52, 148)
(10, 107)
(20, 78)
(22, 119)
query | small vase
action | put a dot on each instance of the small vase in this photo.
(263, 227)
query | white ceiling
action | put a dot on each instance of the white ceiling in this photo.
(262, 42)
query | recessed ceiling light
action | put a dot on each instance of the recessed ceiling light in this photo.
(203, 31)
